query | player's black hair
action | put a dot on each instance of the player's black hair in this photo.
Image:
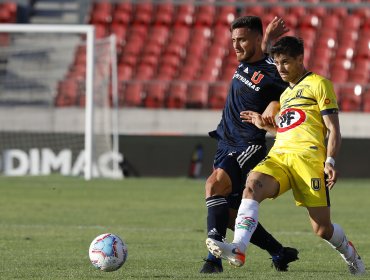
(252, 22)
(288, 45)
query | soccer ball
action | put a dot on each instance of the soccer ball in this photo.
(107, 252)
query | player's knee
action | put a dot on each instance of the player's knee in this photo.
(216, 187)
(251, 189)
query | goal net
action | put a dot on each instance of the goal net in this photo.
(58, 100)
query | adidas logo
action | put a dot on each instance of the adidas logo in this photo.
(213, 232)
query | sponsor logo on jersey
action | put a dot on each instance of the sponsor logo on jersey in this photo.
(291, 118)
(246, 81)
(246, 70)
(315, 184)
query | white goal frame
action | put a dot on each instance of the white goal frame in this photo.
(89, 32)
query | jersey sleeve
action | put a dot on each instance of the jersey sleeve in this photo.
(326, 97)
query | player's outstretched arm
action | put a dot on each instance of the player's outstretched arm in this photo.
(274, 30)
(256, 119)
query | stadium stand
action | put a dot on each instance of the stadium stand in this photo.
(186, 47)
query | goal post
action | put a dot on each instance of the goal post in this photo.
(91, 168)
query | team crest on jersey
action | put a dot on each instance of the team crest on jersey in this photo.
(290, 118)
(315, 184)
(257, 77)
(299, 93)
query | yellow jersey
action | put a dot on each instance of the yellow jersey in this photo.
(301, 128)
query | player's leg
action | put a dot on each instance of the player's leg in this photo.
(247, 218)
(259, 186)
(218, 187)
(335, 236)
(281, 256)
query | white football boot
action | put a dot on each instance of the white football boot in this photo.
(355, 264)
(227, 251)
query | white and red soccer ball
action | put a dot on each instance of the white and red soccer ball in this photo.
(107, 252)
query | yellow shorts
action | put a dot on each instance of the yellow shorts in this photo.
(301, 173)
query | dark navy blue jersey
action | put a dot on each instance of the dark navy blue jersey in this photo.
(253, 87)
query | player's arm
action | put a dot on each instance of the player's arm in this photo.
(274, 30)
(256, 119)
(270, 113)
(334, 141)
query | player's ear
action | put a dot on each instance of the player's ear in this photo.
(300, 58)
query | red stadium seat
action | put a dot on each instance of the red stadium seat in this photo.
(340, 11)
(350, 99)
(100, 17)
(278, 10)
(125, 72)
(164, 14)
(255, 10)
(366, 101)
(150, 59)
(155, 94)
(176, 97)
(319, 11)
(184, 14)
(124, 6)
(121, 17)
(142, 18)
(166, 72)
(225, 15)
(339, 76)
(221, 35)
(205, 15)
(351, 22)
(363, 48)
(102, 6)
(144, 72)
(309, 21)
(129, 59)
(132, 94)
(291, 20)
(171, 60)
(197, 96)
(330, 22)
(297, 11)
(217, 95)
(67, 93)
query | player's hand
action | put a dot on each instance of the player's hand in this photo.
(276, 28)
(331, 175)
(253, 117)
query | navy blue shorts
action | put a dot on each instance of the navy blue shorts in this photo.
(237, 162)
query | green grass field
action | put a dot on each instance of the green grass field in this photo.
(47, 224)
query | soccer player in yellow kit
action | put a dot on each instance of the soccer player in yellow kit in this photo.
(299, 159)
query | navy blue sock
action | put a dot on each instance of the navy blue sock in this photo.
(266, 241)
(217, 220)
(218, 217)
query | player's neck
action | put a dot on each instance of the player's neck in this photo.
(298, 78)
(255, 59)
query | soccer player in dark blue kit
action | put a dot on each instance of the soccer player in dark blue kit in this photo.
(256, 85)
